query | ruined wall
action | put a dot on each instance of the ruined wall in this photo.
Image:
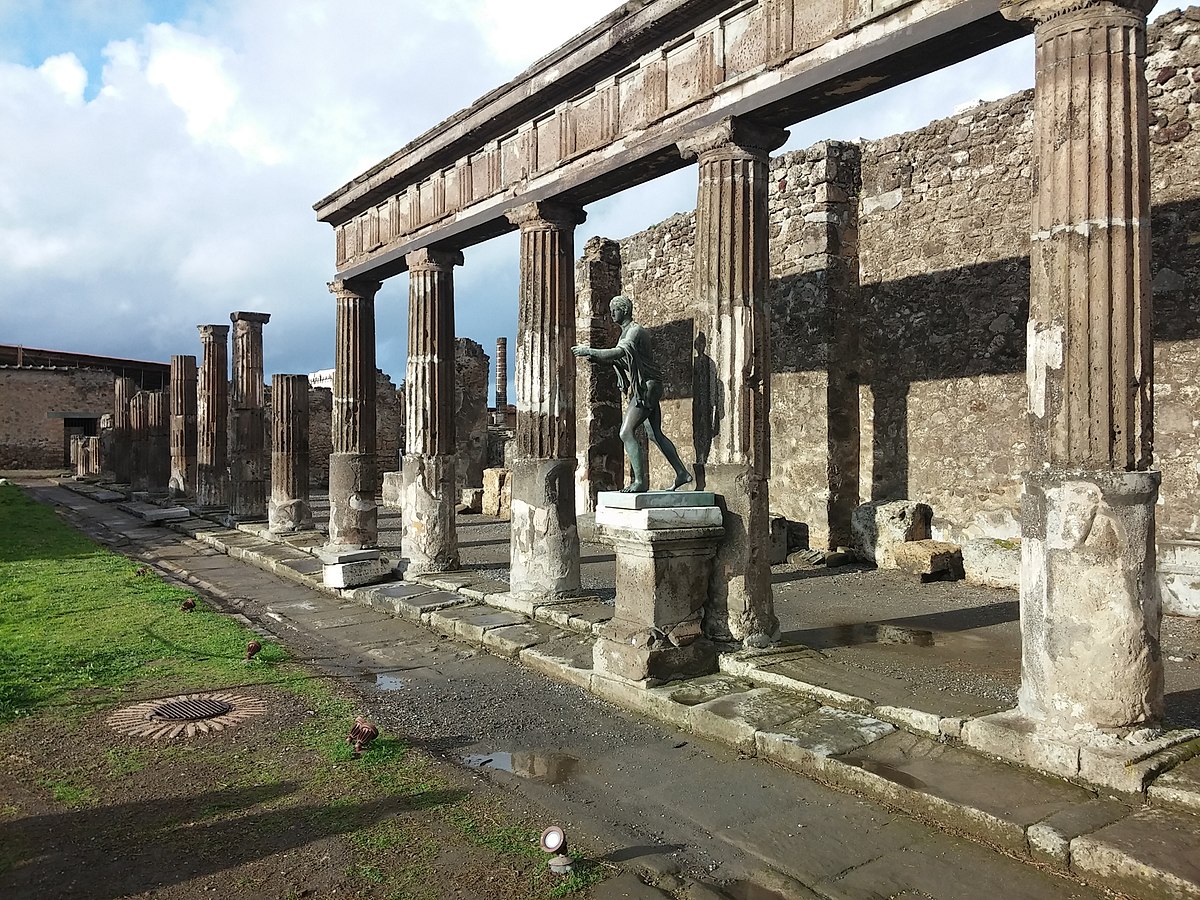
(471, 368)
(31, 435)
(389, 425)
(934, 392)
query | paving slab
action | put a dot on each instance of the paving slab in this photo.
(583, 616)
(708, 687)
(412, 601)
(1179, 788)
(1050, 839)
(826, 731)
(736, 717)
(1151, 853)
(444, 620)
(568, 659)
(472, 628)
(510, 640)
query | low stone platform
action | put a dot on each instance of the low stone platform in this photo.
(797, 707)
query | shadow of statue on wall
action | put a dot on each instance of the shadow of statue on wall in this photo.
(707, 405)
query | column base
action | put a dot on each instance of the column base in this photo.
(545, 536)
(353, 513)
(742, 607)
(1125, 760)
(287, 516)
(1090, 613)
(429, 498)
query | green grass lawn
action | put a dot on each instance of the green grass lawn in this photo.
(83, 630)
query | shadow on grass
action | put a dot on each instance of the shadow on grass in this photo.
(116, 851)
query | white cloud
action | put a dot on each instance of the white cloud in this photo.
(66, 75)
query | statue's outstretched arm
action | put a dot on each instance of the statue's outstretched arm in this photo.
(596, 353)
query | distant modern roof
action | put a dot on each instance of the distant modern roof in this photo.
(17, 354)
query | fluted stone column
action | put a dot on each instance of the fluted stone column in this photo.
(353, 479)
(212, 418)
(599, 405)
(158, 442)
(247, 420)
(1091, 667)
(121, 463)
(501, 382)
(139, 441)
(289, 508)
(430, 492)
(183, 425)
(731, 273)
(95, 459)
(545, 537)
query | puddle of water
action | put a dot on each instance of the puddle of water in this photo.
(748, 890)
(383, 682)
(548, 768)
(883, 770)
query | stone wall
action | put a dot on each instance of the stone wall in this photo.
(899, 296)
(34, 403)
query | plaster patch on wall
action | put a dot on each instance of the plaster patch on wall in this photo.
(1045, 351)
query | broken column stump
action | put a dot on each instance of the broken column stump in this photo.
(665, 544)
(930, 560)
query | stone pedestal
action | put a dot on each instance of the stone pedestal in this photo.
(183, 425)
(732, 268)
(288, 509)
(429, 497)
(247, 421)
(212, 418)
(545, 536)
(665, 544)
(351, 568)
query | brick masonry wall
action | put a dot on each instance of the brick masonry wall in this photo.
(30, 438)
(920, 360)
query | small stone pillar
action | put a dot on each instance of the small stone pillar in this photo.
(212, 418)
(122, 447)
(183, 425)
(107, 449)
(501, 415)
(665, 543)
(158, 442)
(80, 455)
(1091, 669)
(599, 405)
(731, 274)
(545, 536)
(289, 509)
(139, 441)
(430, 492)
(247, 420)
(352, 557)
(95, 459)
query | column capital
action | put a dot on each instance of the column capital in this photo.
(260, 318)
(545, 215)
(354, 287)
(213, 332)
(429, 259)
(1039, 12)
(734, 133)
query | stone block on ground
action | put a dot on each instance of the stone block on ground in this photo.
(992, 562)
(1178, 572)
(878, 527)
(471, 500)
(930, 560)
(497, 493)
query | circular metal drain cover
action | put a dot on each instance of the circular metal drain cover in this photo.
(191, 710)
(187, 715)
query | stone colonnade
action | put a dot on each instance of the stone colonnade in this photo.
(183, 425)
(247, 423)
(212, 410)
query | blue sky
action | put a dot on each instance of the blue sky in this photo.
(169, 154)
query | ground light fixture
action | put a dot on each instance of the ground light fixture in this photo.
(554, 842)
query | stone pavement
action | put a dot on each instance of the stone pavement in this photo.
(801, 707)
